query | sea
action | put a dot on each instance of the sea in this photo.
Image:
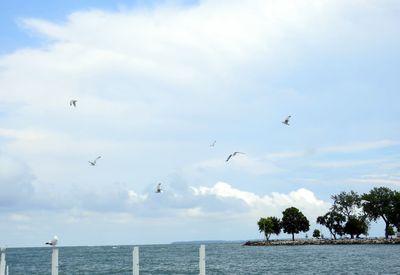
(221, 258)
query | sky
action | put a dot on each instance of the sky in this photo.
(156, 82)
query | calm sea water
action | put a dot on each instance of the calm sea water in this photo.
(227, 258)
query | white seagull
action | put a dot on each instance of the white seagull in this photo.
(158, 189)
(232, 155)
(93, 163)
(73, 102)
(286, 121)
(53, 242)
(213, 144)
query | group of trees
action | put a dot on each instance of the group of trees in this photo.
(293, 222)
(350, 214)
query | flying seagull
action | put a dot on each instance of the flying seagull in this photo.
(73, 102)
(213, 144)
(93, 163)
(158, 189)
(286, 121)
(53, 242)
(232, 155)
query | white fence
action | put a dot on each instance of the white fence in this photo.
(202, 260)
(3, 264)
(135, 261)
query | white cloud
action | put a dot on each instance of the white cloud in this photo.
(360, 146)
(21, 134)
(244, 163)
(15, 182)
(275, 156)
(19, 218)
(136, 198)
(346, 163)
(272, 204)
(378, 179)
(224, 190)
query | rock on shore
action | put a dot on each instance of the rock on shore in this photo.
(322, 242)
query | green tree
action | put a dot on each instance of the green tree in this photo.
(379, 203)
(269, 225)
(316, 234)
(334, 221)
(293, 221)
(395, 215)
(391, 231)
(355, 226)
(346, 204)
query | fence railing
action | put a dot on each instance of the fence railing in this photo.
(3, 263)
(135, 261)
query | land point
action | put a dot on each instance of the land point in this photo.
(322, 242)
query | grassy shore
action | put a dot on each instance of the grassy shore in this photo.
(322, 242)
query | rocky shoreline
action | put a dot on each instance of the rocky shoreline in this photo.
(322, 242)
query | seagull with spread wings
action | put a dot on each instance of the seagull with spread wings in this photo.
(286, 121)
(93, 163)
(213, 144)
(73, 102)
(232, 155)
(158, 189)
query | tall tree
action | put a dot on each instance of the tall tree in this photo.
(334, 221)
(391, 231)
(269, 225)
(355, 226)
(379, 203)
(293, 221)
(316, 233)
(395, 215)
(347, 204)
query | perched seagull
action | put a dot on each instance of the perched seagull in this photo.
(232, 155)
(286, 121)
(73, 102)
(213, 144)
(53, 242)
(158, 189)
(93, 163)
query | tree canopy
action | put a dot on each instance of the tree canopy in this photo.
(391, 231)
(346, 204)
(378, 203)
(269, 225)
(316, 233)
(394, 217)
(355, 226)
(334, 221)
(293, 221)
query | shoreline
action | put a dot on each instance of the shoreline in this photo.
(322, 242)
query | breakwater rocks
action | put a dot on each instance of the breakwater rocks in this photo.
(322, 242)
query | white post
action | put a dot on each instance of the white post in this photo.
(135, 255)
(2, 261)
(7, 270)
(54, 262)
(202, 259)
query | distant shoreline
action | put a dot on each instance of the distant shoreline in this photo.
(322, 242)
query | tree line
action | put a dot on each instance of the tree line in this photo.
(350, 214)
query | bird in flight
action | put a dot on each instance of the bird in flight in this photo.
(93, 163)
(158, 189)
(286, 121)
(53, 242)
(73, 102)
(213, 144)
(232, 155)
